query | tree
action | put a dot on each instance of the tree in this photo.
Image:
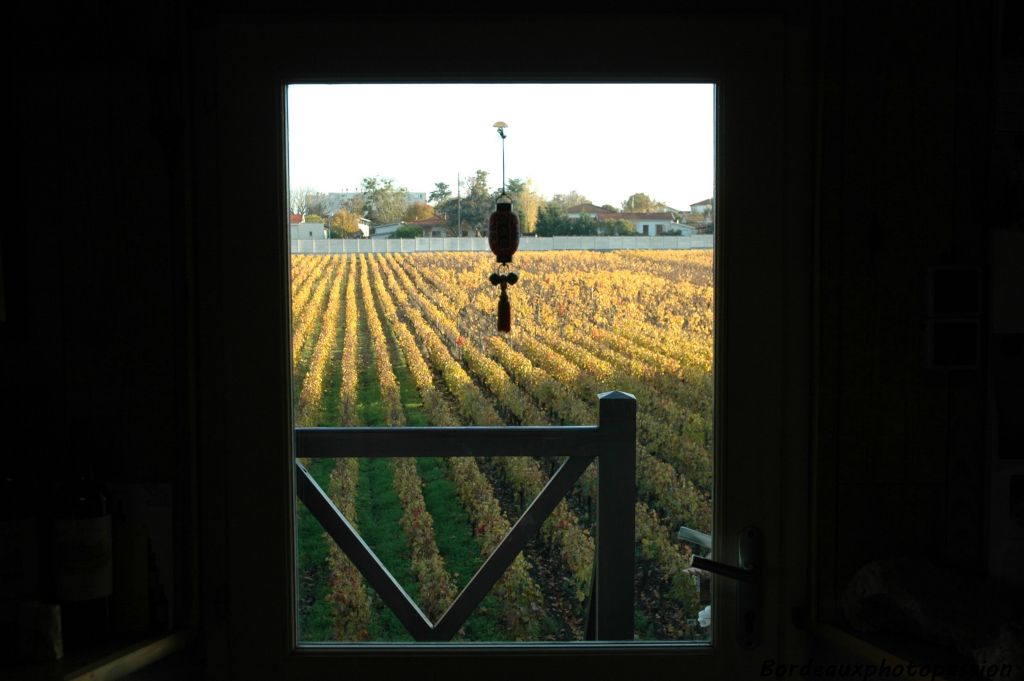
(569, 200)
(475, 205)
(617, 227)
(478, 203)
(314, 217)
(449, 209)
(406, 233)
(345, 225)
(552, 220)
(384, 202)
(526, 203)
(297, 197)
(356, 205)
(641, 203)
(417, 211)
(442, 192)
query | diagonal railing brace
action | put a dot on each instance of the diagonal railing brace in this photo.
(336, 525)
(494, 567)
(612, 442)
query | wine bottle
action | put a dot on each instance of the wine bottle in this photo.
(83, 561)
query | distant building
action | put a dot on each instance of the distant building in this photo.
(585, 209)
(306, 230)
(365, 227)
(385, 231)
(705, 207)
(434, 226)
(315, 230)
(701, 215)
(651, 224)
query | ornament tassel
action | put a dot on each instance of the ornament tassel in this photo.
(504, 312)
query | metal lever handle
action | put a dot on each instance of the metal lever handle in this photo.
(748, 591)
(749, 554)
(743, 574)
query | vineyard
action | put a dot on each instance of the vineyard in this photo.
(409, 340)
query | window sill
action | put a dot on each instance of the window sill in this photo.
(106, 663)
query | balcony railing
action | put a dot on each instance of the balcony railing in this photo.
(612, 442)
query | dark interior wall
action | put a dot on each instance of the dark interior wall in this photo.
(905, 151)
(95, 266)
(96, 346)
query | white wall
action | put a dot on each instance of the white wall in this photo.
(550, 243)
(307, 230)
(666, 226)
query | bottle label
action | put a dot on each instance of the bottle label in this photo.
(82, 558)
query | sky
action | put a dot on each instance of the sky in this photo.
(604, 141)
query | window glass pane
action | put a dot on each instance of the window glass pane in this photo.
(394, 324)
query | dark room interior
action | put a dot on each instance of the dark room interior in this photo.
(142, 329)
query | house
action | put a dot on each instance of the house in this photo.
(701, 215)
(433, 226)
(386, 231)
(306, 230)
(704, 207)
(315, 230)
(647, 224)
(653, 224)
(584, 210)
(365, 227)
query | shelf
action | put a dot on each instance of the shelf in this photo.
(113, 661)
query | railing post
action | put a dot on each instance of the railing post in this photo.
(616, 524)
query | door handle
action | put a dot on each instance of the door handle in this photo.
(741, 574)
(748, 586)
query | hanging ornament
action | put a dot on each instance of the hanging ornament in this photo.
(503, 238)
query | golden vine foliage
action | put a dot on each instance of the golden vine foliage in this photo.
(348, 597)
(583, 323)
(348, 403)
(313, 383)
(520, 597)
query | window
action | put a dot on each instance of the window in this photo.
(249, 415)
(384, 339)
